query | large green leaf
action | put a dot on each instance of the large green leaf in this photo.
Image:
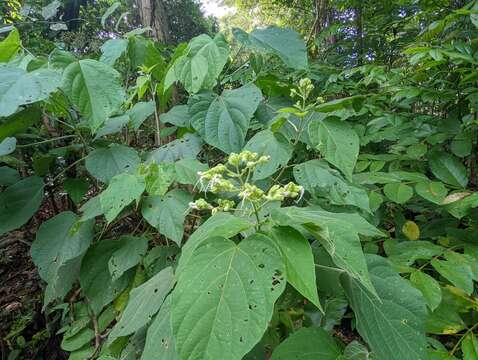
(319, 179)
(144, 302)
(274, 145)
(187, 171)
(187, 147)
(178, 116)
(448, 169)
(105, 163)
(57, 252)
(220, 224)
(299, 261)
(223, 120)
(95, 89)
(95, 278)
(8, 176)
(456, 270)
(312, 343)
(112, 50)
(18, 87)
(10, 46)
(130, 252)
(20, 121)
(225, 296)
(201, 63)
(337, 142)
(429, 288)
(167, 213)
(398, 192)
(19, 202)
(122, 191)
(160, 343)
(393, 324)
(285, 43)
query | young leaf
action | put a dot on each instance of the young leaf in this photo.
(167, 213)
(393, 324)
(212, 315)
(337, 142)
(122, 191)
(299, 261)
(308, 344)
(223, 121)
(57, 252)
(95, 89)
(105, 163)
(144, 302)
(273, 145)
(19, 202)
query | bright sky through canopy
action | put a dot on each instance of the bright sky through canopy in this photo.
(214, 8)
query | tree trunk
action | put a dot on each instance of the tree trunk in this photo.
(153, 14)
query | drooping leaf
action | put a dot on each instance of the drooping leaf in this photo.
(311, 343)
(285, 43)
(105, 163)
(448, 169)
(273, 145)
(57, 251)
(128, 255)
(429, 288)
(95, 279)
(167, 213)
(160, 343)
(10, 46)
(299, 261)
(223, 121)
(122, 191)
(19, 202)
(399, 313)
(95, 89)
(144, 302)
(211, 314)
(319, 179)
(18, 87)
(112, 50)
(187, 147)
(337, 142)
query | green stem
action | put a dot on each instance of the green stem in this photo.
(455, 348)
(46, 141)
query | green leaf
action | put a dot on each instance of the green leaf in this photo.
(167, 213)
(398, 192)
(319, 179)
(187, 171)
(19, 202)
(299, 261)
(160, 344)
(57, 251)
(140, 112)
(60, 59)
(393, 324)
(95, 278)
(8, 176)
(220, 224)
(369, 178)
(105, 163)
(352, 102)
(357, 351)
(7, 146)
(178, 116)
(448, 169)
(469, 347)
(433, 191)
(19, 122)
(130, 252)
(461, 207)
(10, 46)
(456, 270)
(308, 344)
(187, 147)
(78, 340)
(76, 189)
(158, 178)
(50, 10)
(429, 288)
(95, 89)
(405, 253)
(143, 304)
(273, 145)
(112, 50)
(18, 87)
(201, 64)
(109, 12)
(337, 142)
(122, 191)
(462, 144)
(233, 289)
(223, 121)
(285, 43)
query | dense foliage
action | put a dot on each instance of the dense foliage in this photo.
(254, 197)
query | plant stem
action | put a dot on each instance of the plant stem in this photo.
(46, 141)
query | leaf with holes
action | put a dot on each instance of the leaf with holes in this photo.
(225, 296)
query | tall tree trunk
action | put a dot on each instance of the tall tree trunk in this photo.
(153, 13)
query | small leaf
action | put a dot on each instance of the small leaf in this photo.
(76, 189)
(398, 192)
(10, 46)
(411, 230)
(8, 176)
(7, 146)
(433, 191)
